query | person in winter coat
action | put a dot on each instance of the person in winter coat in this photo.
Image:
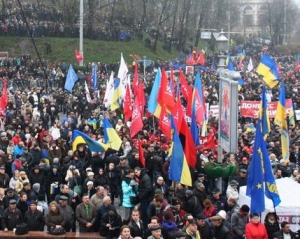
(144, 192)
(271, 224)
(55, 218)
(14, 179)
(219, 230)
(255, 229)
(21, 180)
(34, 218)
(232, 191)
(125, 233)
(136, 224)
(11, 217)
(192, 204)
(100, 178)
(129, 189)
(160, 184)
(239, 220)
(110, 224)
(209, 209)
(112, 176)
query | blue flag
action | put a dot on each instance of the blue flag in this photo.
(261, 170)
(71, 79)
(255, 184)
(94, 76)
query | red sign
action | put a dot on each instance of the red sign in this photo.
(250, 109)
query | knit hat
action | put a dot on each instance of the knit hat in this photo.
(36, 187)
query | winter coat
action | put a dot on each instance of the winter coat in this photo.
(115, 222)
(238, 223)
(19, 183)
(55, 218)
(136, 231)
(128, 191)
(232, 192)
(221, 232)
(34, 220)
(256, 231)
(83, 218)
(145, 188)
(10, 219)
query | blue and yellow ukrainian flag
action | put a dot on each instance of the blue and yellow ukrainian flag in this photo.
(179, 170)
(241, 82)
(281, 121)
(292, 115)
(111, 138)
(153, 105)
(268, 69)
(116, 95)
(230, 65)
(81, 138)
(264, 114)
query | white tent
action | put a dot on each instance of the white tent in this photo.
(288, 209)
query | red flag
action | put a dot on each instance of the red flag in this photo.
(135, 82)
(201, 59)
(187, 93)
(141, 97)
(178, 114)
(78, 56)
(164, 123)
(188, 144)
(240, 65)
(210, 143)
(141, 153)
(4, 99)
(127, 104)
(165, 96)
(136, 122)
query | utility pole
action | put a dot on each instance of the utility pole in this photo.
(81, 31)
(229, 24)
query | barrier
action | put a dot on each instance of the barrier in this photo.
(68, 235)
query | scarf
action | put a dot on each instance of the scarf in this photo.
(194, 235)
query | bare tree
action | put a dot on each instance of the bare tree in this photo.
(204, 6)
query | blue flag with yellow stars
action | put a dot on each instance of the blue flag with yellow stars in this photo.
(255, 183)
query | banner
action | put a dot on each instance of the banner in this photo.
(250, 109)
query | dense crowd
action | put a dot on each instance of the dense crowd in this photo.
(45, 182)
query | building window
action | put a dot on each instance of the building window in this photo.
(248, 20)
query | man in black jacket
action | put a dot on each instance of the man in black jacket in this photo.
(12, 216)
(144, 192)
(34, 218)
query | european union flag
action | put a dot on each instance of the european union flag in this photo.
(255, 184)
(230, 65)
(261, 171)
(71, 79)
(94, 76)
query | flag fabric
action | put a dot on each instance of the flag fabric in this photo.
(87, 92)
(268, 69)
(81, 138)
(187, 143)
(94, 76)
(136, 121)
(241, 82)
(264, 115)
(292, 115)
(116, 95)
(194, 130)
(127, 107)
(197, 101)
(141, 153)
(165, 95)
(164, 122)
(122, 75)
(179, 170)
(255, 182)
(135, 83)
(250, 65)
(71, 79)
(178, 114)
(111, 138)
(153, 105)
(260, 165)
(281, 121)
(186, 90)
(141, 97)
(210, 143)
(230, 65)
(109, 91)
(78, 56)
(4, 97)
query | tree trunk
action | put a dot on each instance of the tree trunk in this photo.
(160, 21)
(91, 6)
(173, 25)
(203, 14)
(112, 17)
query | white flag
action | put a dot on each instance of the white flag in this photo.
(122, 75)
(87, 93)
(109, 90)
(250, 65)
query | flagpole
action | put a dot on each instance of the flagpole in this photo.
(81, 31)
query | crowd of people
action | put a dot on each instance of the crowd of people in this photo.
(46, 183)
